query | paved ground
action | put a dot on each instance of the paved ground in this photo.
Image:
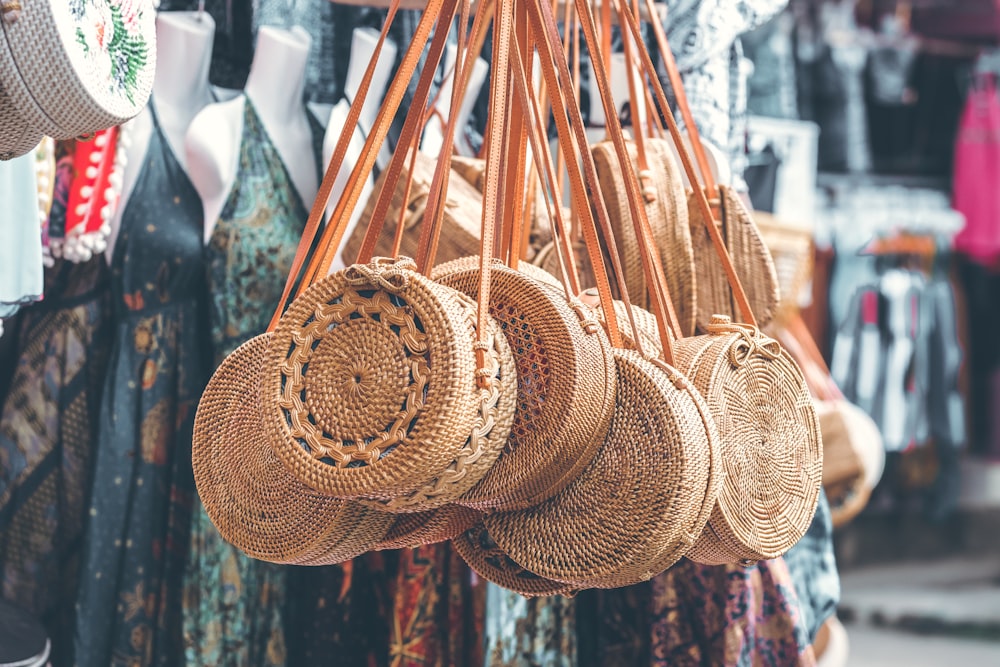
(878, 647)
(943, 614)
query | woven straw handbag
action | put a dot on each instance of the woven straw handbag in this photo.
(748, 252)
(666, 210)
(417, 529)
(644, 498)
(770, 436)
(17, 137)
(72, 68)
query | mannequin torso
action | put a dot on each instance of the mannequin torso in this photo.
(180, 90)
(275, 88)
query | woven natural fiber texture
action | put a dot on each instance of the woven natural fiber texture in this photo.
(666, 210)
(771, 446)
(489, 433)
(72, 68)
(548, 259)
(16, 137)
(848, 435)
(249, 495)
(641, 503)
(751, 259)
(565, 392)
(791, 248)
(369, 387)
(460, 230)
(487, 560)
(410, 531)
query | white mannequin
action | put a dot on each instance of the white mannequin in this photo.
(180, 90)
(434, 134)
(362, 51)
(275, 87)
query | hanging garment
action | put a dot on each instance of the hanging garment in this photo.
(137, 534)
(728, 616)
(339, 615)
(613, 626)
(977, 170)
(437, 619)
(981, 286)
(232, 603)
(522, 632)
(47, 430)
(21, 251)
(813, 568)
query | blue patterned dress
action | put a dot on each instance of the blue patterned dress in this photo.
(135, 543)
(233, 604)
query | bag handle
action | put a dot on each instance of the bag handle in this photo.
(333, 168)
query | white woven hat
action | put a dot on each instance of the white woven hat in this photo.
(72, 67)
(16, 136)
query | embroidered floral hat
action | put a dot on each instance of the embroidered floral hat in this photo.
(72, 67)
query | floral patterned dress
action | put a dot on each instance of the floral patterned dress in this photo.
(48, 424)
(233, 604)
(136, 540)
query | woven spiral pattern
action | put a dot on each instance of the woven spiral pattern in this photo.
(751, 259)
(771, 445)
(489, 434)
(643, 500)
(565, 386)
(409, 531)
(486, 559)
(369, 387)
(463, 210)
(56, 87)
(249, 495)
(666, 210)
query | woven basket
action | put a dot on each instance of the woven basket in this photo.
(566, 384)
(791, 248)
(487, 560)
(460, 231)
(666, 210)
(750, 256)
(369, 387)
(487, 439)
(17, 138)
(72, 68)
(850, 439)
(772, 450)
(410, 531)
(641, 503)
(249, 495)
(548, 259)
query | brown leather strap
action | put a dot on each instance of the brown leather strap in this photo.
(336, 162)
(554, 68)
(411, 128)
(333, 235)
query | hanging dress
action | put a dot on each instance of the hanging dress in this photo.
(136, 540)
(48, 423)
(233, 604)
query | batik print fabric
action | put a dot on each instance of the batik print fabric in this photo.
(139, 515)
(813, 567)
(233, 604)
(47, 430)
(728, 616)
(437, 620)
(522, 632)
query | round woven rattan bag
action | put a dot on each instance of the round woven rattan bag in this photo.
(487, 438)
(247, 492)
(416, 529)
(666, 210)
(565, 386)
(369, 387)
(641, 503)
(16, 136)
(72, 68)
(486, 559)
(772, 450)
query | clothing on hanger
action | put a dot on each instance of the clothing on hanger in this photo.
(135, 543)
(21, 278)
(233, 604)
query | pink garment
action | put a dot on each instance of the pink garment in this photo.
(977, 174)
